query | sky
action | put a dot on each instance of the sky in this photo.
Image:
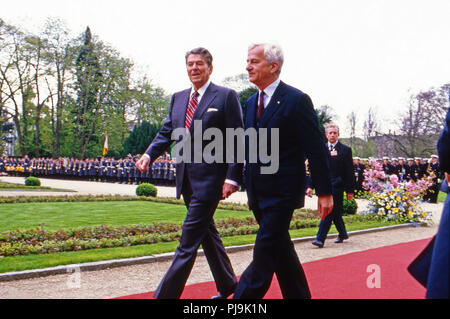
(348, 54)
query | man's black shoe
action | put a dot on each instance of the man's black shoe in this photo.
(220, 296)
(318, 243)
(340, 239)
(224, 296)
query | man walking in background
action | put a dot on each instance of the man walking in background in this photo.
(342, 180)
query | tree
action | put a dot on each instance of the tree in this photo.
(150, 103)
(139, 139)
(100, 76)
(370, 126)
(352, 124)
(59, 56)
(422, 122)
(325, 115)
(16, 77)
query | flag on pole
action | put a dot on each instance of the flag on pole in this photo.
(105, 145)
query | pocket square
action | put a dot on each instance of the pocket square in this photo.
(212, 109)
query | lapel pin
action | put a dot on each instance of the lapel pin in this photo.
(278, 102)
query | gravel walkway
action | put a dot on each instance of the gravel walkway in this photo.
(121, 281)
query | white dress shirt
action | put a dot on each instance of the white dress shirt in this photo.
(334, 145)
(269, 91)
(201, 91)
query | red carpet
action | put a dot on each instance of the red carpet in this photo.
(345, 277)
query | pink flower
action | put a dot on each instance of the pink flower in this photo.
(394, 180)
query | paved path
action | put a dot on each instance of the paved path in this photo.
(135, 279)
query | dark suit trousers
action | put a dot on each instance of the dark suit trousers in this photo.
(198, 229)
(273, 253)
(334, 217)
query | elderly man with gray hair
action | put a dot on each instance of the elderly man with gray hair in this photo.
(283, 109)
(342, 179)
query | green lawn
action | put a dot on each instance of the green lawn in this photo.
(441, 197)
(4, 186)
(63, 215)
(79, 214)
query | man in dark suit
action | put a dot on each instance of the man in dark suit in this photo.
(342, 180)
(432, 267)
(279, 108)
(202, 184)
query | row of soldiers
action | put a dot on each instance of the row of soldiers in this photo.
(406, 169)
(162, 172)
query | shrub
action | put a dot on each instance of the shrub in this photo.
(350, 206)
(146, 189)
(32, 181)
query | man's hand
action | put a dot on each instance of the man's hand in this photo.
(309, 192)
(324, 205)
(228, 189)
(349, 196)
(142, 164)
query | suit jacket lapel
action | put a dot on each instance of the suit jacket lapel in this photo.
(274, 104)
(250, 113)
(181, 108)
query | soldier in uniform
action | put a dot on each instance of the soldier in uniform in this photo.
(120, 171)
(395, 167)
(102, 170)
(410, 170)
(172, 173)
(2, 165)
(420, 171)
(358, 170)
(137, 172)
(387, 167)
(401, 169)
(131, 168)
(109, 170)
(436, 175)
(155, 172)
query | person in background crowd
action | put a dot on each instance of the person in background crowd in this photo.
(410, 170)
(358, 169)
(436, 177)
(419, 171)
(401, 169)
(387, 167)
(395, 167)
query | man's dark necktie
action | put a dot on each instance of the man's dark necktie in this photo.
(193, 102)
(260, 105)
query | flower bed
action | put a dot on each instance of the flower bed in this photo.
(390, 199)
(42, 241)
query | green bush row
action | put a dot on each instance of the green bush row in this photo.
(108, 198)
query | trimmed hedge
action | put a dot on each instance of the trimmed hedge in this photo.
(32, 181)
(350, 206)
(146, 189)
